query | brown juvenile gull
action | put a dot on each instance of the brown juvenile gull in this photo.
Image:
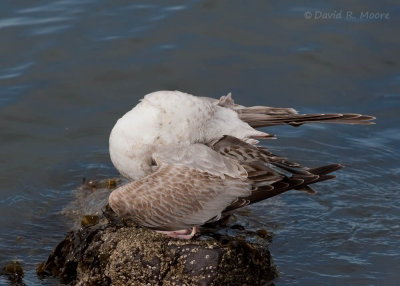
(195, 159)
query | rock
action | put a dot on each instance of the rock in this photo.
(14, 272)
(105, 250)
(114, 252)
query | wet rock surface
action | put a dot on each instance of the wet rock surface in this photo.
(118, 253)
(106, 250)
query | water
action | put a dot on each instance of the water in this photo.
(69, 69)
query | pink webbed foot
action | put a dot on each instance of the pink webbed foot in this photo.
(181, 234)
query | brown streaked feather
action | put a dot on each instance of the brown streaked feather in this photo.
(194, 181)
(263, 116)
(308, 189)
(176, 197)
(325, 169)
(265, 110)
(268, 172)
(245, 153)
(263, 120)
(199, 184)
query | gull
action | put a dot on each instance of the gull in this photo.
(193, 160)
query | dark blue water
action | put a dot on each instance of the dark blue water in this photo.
(69, 69)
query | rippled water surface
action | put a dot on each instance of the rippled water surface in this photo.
(69, 69)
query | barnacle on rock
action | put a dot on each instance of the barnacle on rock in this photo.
(111, 253)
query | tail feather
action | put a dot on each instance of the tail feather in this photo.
(269, 174)
(264, 120)
(259, 116)
(263, 188)
(263, 116)
(295, 182)
(325, 169)
(308, 189)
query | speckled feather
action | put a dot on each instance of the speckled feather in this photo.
(177, 197)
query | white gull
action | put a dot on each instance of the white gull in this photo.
(194, 159)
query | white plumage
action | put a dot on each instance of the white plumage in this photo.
(169, 118)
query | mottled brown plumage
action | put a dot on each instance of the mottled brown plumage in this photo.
(178, 195)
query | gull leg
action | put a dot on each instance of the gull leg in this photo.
(188, 236)
(172, 232)
(181, 234)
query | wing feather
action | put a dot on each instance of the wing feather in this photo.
(200, 157)
(181, 192)
(195, 184)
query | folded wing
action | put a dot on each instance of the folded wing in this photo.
(196, 184)
(190, 186)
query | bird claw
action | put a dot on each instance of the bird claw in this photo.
(180, 234)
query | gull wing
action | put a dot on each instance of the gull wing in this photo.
(191, 185)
